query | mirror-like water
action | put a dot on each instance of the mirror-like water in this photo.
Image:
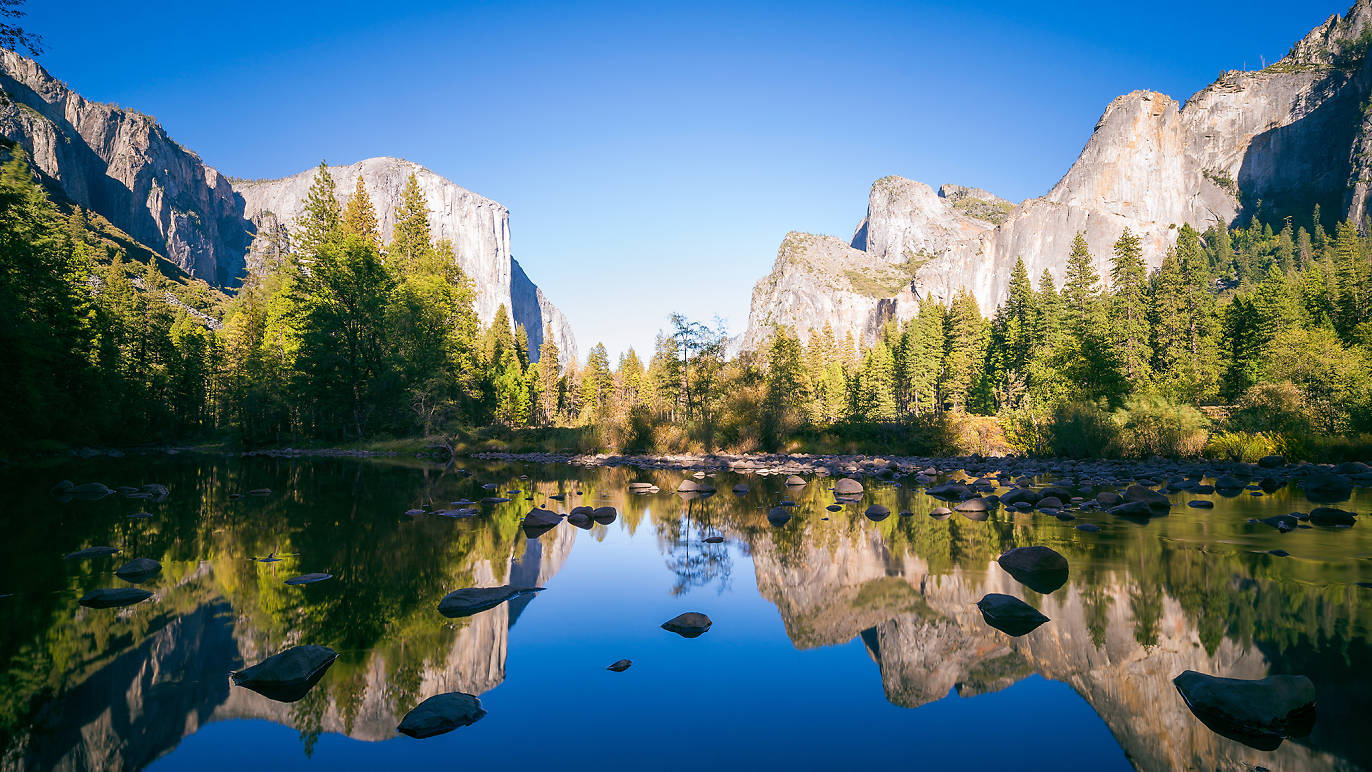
(837, 641)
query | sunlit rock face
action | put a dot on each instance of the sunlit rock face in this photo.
(122, 165)
(928, 639)
(477, 227)
(1291, 136)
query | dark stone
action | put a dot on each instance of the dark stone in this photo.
(540, 521)
(604, 515)
(620, 666)
(440, 714)
(1041, 569)
(1326, 487)
(778, 516)
(877, 512)
(114, 597)
(138, 570)
(692, 624)
(288, 676)
(1272, 462)
(834, 507)
(308, 578)
(1089, 527)
(740, 489)
(1201, 504)
(1109, 498)
(1009, 614)
(714, 539)
(1279, 553)
(1257, 713)
(92, 552)
(1020, 496)
(1331, 516)
(473, 600)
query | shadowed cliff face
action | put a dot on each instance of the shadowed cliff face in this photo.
(1291, 136)
(122, 165)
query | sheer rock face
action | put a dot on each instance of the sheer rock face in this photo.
(122, 165)
(478, 228)
(1291, 136)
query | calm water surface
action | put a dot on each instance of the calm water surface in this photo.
(838, 642)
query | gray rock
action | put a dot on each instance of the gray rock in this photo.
(1041, 569)
(1259, 713)
(91, 552)
(289, 675)
(309, 578)
(795, 481)
(442, 713)
(620, 666)
(114, 597)
(877, 512)
(847, 486)
(540, 521)
(691, 624)
(138, 570)
(473, 600)
(1009, 614)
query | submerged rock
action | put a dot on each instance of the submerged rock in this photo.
(442, 713)
(714, 539)
(308, 578)
(740, 489)
(620, 666)
(778, 516)
(1041, 569)
(877, 512)
(1009, 614)
(692, 624)
(92, 552)
(138, 570)
(114, 597)
(1258, 713)
(289, 675)
(473, 600)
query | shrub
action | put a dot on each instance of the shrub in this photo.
(1242, 446)
(1272, 407)
(1081, 430)
(1152, 425)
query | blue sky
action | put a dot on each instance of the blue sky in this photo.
(652, 156)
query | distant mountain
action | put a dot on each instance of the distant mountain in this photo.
(122, 165)
(1275, 143)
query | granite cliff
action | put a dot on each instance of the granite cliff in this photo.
(1270, 143)
(122, 165)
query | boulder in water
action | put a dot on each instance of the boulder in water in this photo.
(288, 676)
(1331, 516)
(540, 521)
(473, 600)
(1009, 614)
(877, 512)
(442, 713)
(604, 515)
(1258, 713)
(740, 489)
(778, 516)
(692, 624)
(847, 486)
(795, 481)
(1041, 569)
(620, 666)
(114, 597)
(308, 578)
(1326, 487)
(91, 552)
(138, 570)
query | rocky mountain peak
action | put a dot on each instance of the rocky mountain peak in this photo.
(1284, 139)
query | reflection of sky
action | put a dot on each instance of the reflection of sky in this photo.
(740, 695)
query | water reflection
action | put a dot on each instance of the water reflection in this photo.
(118, 688)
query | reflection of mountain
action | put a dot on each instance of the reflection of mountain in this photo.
(927, 638)
(142, 703)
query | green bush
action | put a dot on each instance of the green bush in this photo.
(1242, 446)
(1152, 425)
(1271, 407)
(1081, 430)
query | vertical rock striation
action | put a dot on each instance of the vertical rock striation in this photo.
(1272, 144)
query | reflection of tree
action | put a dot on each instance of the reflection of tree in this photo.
(692, 561)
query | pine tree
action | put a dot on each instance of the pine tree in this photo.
(1129, 310)
(786, 390)
(876, 400)
(549, 373)
(964, 349)
(321, 217)
(1350, 279)
(411, 239)
(359, 217)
